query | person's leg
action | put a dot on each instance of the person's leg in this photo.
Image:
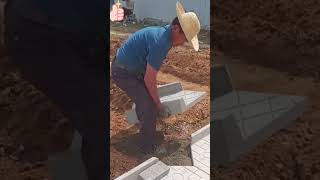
(145, 107)
(70, 78)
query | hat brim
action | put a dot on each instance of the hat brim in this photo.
(193, 41)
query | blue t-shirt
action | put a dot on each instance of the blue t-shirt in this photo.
(149, 45)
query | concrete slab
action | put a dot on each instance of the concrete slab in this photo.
(201, 134)
(68, 164)
(133, 174)
(186, 173)
(167, 89)
(200, 149)
(221, 83)
(155, 172)
(174, 97)
(249, 118)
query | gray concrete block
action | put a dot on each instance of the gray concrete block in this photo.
(133, 174)
(247, 97)
(255, 109)
(175, 106)
(132, 117)
(240, 127)
(200, 149)
(173, 97)
(155, 172)
(221, 83)
(253, 125)
(167, 89)
(225, 102)
(186, 173)
(281, 102)
(201, 133)
(68, 164)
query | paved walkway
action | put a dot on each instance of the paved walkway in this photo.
(200, 150)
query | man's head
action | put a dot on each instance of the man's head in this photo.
(177, 34)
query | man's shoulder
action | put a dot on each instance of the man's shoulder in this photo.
(153, 30)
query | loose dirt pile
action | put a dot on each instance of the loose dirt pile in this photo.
(279, 34)
(31, 127)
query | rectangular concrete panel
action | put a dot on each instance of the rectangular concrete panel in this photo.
(221, 83)
(228, 140)
(253, 125)
(200, 134)
(174, 98)
(155, 172)
(226, 102)
(133, 174)
(167, 89)
(186, 173)
(200, 149)
(68, 164)
(254, 109)
(247, 97)
(244, 125)
(281, 102)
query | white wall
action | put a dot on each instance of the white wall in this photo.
(166, 10)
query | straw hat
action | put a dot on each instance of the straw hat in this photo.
(190, 25)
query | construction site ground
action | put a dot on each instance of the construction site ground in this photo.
(183, 65)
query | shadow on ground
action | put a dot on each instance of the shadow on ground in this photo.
(127, 142)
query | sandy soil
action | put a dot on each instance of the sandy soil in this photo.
(278, 34)
(31, 127)
(192, 70)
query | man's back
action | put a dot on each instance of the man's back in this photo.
(148, 45)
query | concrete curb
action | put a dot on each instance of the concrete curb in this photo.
(133, 174)
(201, 133)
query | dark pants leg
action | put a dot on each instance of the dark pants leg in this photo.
(145, 107)
(69, 69)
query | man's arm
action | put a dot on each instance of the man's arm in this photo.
(150, 80)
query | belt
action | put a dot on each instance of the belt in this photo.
(116, 63)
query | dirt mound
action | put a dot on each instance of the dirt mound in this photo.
(31, 127)
(280, 34)
(182, 62)
(187, 64)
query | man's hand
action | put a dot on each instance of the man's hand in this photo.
(164, 112)
(116, 13)
(150, 80)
